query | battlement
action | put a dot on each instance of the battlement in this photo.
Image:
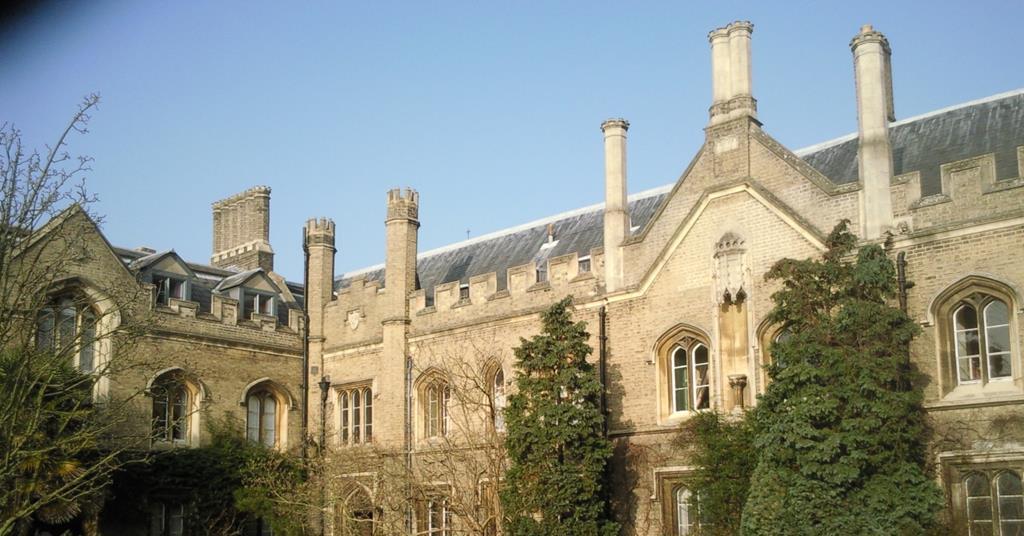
(970, 190)
(403, 204)
(319, 231)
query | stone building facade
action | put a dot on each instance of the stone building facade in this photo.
(676, 277)
(672, 277)
(190, 344)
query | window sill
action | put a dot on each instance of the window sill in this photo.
(995, 393)
(169, 445)
(673, 419)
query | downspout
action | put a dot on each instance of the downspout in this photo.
(901, 278)
(408, 442)
(901, 281)
(305, 346)
(601, 356)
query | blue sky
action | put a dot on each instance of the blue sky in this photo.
(490, 109)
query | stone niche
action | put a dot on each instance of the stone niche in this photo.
(733, 320)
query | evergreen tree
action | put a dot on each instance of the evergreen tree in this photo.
(721, 449)
(558, 454)
(840, 430)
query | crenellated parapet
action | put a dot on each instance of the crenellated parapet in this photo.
(970, 191)
(319, 232)
(403, 205)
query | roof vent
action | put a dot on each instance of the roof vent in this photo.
(145, 249)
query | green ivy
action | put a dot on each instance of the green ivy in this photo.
(205, 480)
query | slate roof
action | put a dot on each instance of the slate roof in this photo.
(991, 125)
(923, 143)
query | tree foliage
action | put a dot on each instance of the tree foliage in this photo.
(840, 430)
(554, 485)
(208, 481)
(721, 447)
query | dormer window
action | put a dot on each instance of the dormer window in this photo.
(463, 292)
(257, 302)
(583, 265)
(542, 273)
(168, 287)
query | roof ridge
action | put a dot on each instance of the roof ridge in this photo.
(804, 151)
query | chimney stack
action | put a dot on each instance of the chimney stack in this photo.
(616, 208)
(873, 72)
(732, 96)
(241, 231)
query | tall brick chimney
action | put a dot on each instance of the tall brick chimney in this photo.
(732, 96)
(616, 207)
(241, 231)
(873, 71)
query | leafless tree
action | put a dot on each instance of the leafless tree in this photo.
(63, 332)
(454, 476)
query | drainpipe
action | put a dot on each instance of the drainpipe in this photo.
(901, 278)
(601, 356)
(305, 346)
(325, 386)
(408, 442)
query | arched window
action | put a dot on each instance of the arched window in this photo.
(498, 399)
(975, 328)
(690, 377)
(355, 408)
(68, 325)
(981, 340)
(686, 516)
(354, 514)
(436, 417)
(994, 507)
(261, 417)
(172, 408)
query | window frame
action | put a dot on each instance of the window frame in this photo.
(82, 334)
(581, 263)
(261, 298)
(162, 511)
(940, 320)
(163, 281)
(994, 498)
(166, 391)
(499, 400)
(263, 396)
(692, 389)
(444, 515)
(182, 381)
(355, 429)
(436, 409)
(980, 303)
